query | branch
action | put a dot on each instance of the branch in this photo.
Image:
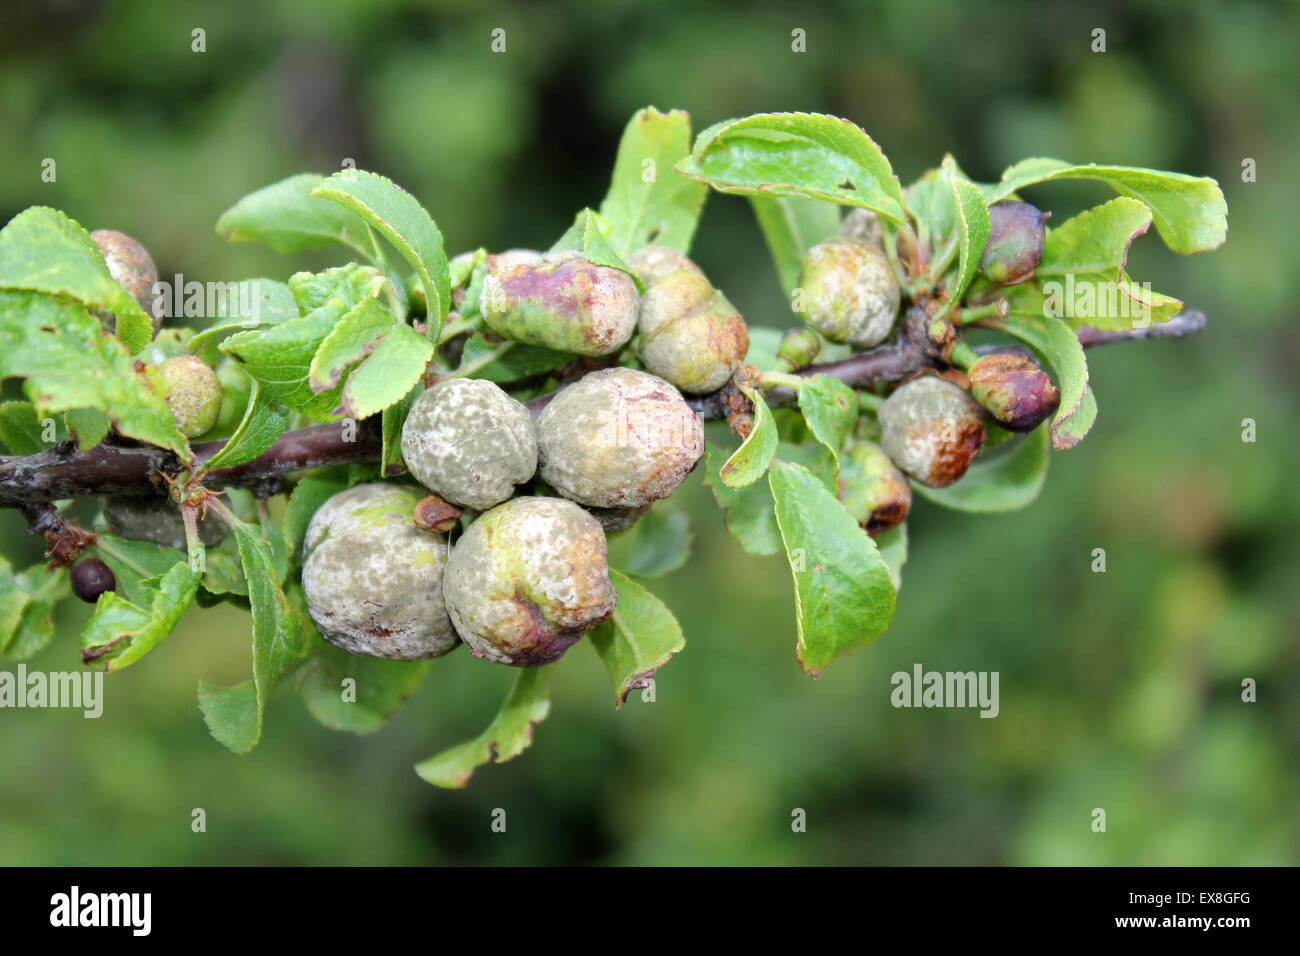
(30, 482)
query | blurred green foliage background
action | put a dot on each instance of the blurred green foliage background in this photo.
(1118, 690)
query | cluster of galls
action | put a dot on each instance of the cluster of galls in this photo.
(530, 574)
(931, 427)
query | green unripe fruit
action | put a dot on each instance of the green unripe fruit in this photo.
(132, 268)
(527, 579)
(932, 430)
(799, 348)
(193, 394)
(618, 438)
(1014, 390)
(848, 292)
(690, 335)
(562, 302)
(652, 263)
(157, 519)
(872, 488)
(373, 580)
(469, 442)
(1015, 245)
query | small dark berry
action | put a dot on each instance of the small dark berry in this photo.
(91, 577)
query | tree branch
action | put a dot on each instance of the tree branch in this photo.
(30, 482)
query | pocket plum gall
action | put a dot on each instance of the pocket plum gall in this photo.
(468, 441)
(872, 488)
(373, 580)
(689, 334)
(193, 394)
(527, 579)
(1014, 391)
(562, 302)
(1015, 244)
(652, 263)
(618, 438)
(849, 293)
(932, 430)
(132, 268)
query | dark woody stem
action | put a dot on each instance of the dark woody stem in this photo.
(31, 482)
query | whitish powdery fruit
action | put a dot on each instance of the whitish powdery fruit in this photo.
(527, 579)
(373, 580)
(618, 438)
(469, 442)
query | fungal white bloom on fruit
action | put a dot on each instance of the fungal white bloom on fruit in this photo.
(849, 292)
(469, 442)
(931, 429)
(373, 580)
(618, 438)
(527, 579)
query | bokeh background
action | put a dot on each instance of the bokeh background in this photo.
(1118, 690)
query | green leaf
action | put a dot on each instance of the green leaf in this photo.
(21, 429)
(68, 363)
(521, 361)
(892, 545)
(42, 250)
(398, 216)
(750, 517)
(658, 543)
(1007, 481)
(308, 495)
(27, 601)
(843, 594)
(590, 235)
(1089, 251)
(376, 689)
(391, 463)
(87, 426)
(351, 284)
(752, 458)
(797, 154)
(639, 638)
(135, 562)
(287, 217)
(648, 201)
(831, 409)
(355, 337)
(972, 222)
(265, 420)
(1059, 346)
(280, 359)
(392, 370)
(280, 641)
(232, 715)
(509, 734)
(120, 632)
(792, 225)
(249, 304)
(1189, 211)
